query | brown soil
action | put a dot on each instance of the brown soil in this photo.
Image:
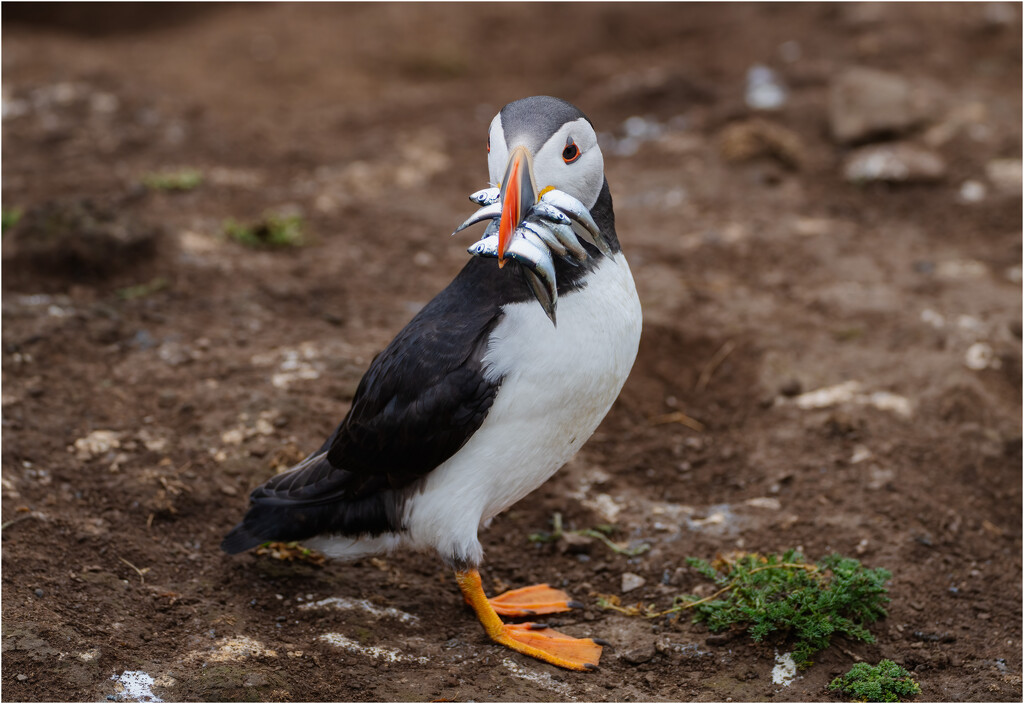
(763, 275)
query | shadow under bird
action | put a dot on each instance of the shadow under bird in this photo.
(489, 390)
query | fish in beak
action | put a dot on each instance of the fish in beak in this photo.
(517, 196)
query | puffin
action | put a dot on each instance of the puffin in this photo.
(492, 387)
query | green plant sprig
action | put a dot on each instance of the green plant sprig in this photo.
(180, 180)
(10, 218)
(785, 595)
(272, 231)
(884, 682)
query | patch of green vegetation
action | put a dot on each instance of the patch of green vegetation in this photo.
(180, 180)
(273, 231)
(131, 293)
(784, 596)
(600, 532)
(9, 218)
(848, 334)
(884, 682)
(787, 596)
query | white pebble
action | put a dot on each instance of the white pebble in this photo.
(980, 356)
(764, 89)
(631, 581)
(972, 191)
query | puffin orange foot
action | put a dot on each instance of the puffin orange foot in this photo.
(533, 639)
(532, 601)
(547, 644)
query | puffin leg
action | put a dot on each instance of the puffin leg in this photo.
(533, 639)
(532, 601)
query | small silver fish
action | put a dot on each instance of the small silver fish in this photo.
(487, 196)
(486, 247)
(486, 213)
(556, 225)
(530, 251)
(578, 212)
(565, 236)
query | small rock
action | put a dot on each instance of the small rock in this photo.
(980, 356)
(39, 593)
(1005, 175)
(663, 645)
(894, 163)
(962, 269)
(972, 191)
(879, 478)
(175, 354)
(767, 502)
(639, 655)
(764, 89)
(96, 443)
(865, 103)
(575, 544)
(22, 678)
(861, 453)
(631, 581)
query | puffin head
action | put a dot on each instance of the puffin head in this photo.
(547, 174)
(537, 145)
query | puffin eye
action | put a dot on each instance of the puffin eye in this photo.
(488, 144)
(571, 152)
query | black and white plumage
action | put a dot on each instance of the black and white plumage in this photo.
(481, 397)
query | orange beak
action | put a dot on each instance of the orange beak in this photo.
(518, 195)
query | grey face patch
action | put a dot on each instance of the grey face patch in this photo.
(532, 121)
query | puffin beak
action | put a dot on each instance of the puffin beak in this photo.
(518, 195)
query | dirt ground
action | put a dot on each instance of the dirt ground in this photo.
(829, 362)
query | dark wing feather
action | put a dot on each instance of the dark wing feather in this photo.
(421, 399)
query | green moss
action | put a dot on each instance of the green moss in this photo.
(884, 682)
(180, 180)
(271, 232)
(10, 218)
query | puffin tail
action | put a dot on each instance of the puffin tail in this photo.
(240, 540)
(312, 499)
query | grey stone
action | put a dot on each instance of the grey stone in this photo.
(894, 163)
(631, 581)
(865, 103)
(640, 654)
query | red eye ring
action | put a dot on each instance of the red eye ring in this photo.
(571, 152)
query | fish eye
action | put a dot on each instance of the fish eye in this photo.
(571, 152)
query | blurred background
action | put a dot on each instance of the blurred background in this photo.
(214, 215)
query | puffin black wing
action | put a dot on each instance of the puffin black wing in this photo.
(419, 402)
